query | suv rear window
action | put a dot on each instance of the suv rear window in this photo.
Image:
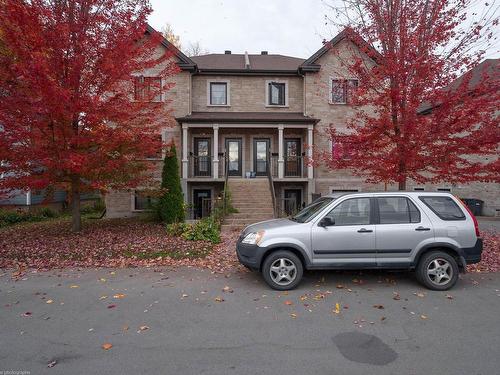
(444, 207)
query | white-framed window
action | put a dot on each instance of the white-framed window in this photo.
(148, 89)
(341, 90)
(277, 93)
(143, 200)
(218, 93)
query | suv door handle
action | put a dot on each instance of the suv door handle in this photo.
(421, 228)
(363, 230)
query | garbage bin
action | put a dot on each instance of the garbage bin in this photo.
(475, 205)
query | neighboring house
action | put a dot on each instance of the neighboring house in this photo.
(260, 113)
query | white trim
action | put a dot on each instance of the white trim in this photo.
(248, 125)
(266, 88)
(228, 92)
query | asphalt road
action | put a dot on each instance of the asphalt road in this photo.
(253, 330)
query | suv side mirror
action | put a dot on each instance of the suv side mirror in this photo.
(326, 222)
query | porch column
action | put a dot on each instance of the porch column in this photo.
(216, 151)
(310, 171)
(281, 160)
(185, 150)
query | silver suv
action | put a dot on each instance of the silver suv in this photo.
(432, 233)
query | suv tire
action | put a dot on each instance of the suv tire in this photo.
(282, 270)
(437, 270)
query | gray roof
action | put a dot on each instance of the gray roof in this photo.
(247, 117)
(236, 62)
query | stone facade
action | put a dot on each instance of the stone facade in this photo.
(307, 94)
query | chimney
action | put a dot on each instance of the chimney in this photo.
(227, 52)
(263, 52)
(247, 61)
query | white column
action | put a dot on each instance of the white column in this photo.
(216, 151)
(281, 160)
(185, 150)
(310, 171)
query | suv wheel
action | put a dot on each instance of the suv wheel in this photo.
(437, 270)
(282, 270)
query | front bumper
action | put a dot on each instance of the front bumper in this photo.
(249, 255)
(473, 254)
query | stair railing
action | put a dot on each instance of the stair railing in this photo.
(226, 175)
(271, 184)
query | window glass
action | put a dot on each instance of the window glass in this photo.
(342, 90)
(311, 210)
(354, 211)
(218, 93)
(397, 210)
(147, 88)
(444, 207)
(143, 201)
(276, 93)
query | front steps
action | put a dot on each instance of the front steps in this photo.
(252, 198)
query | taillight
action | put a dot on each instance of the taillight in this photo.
(476, 224)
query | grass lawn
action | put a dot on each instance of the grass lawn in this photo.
(107, 243)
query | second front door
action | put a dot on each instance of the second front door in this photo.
(260, 156)
(233, 150)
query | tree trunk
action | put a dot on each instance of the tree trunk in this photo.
(76, 221)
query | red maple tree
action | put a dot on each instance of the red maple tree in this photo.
(413, 118)
(72, 114)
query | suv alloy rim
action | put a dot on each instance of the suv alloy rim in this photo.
(439, 271)
(283, 271)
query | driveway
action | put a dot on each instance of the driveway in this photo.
(489, 223)
(183, 322)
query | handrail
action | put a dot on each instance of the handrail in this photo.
(271, 185)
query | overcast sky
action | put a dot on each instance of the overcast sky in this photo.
(288, 27)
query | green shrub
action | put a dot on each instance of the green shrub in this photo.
(206, 229)
(177, 229)
(171, 203)
(10, 217)
(47, 212)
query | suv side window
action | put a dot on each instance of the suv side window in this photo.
(355, 211)
(444, 207)
(397, 210)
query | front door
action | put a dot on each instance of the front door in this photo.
(261, 156)
(233, 151)
(293, 201)
(201, 203)
(350, 241)
(292, 158)
(202, 167)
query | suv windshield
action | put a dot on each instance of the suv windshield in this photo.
(310, 211)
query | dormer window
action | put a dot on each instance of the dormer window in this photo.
(276, 93)
(218, 93)
(341, 90)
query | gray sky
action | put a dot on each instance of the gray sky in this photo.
(288, 27)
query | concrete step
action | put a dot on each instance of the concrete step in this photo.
(231, 228)
(248, 215)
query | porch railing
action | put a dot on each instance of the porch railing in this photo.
(293, 166)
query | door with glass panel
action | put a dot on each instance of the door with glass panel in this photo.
(293, 163)
(233, 152)
(201, 158)
(261, 156)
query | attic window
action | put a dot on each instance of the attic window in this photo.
(341, 90)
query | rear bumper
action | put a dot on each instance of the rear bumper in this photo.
(473, 254)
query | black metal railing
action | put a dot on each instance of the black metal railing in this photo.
(271, 186)
(293, 166)
(200, 166)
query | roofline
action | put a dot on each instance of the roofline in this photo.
(293, 72)
(185, 62)
(310, 66)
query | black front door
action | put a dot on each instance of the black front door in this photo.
(201, 203)
(261, 156)
(202, 167)
(293, 201)
(233, 151)
(293, 164)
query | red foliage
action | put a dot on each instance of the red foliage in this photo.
(67, 110)
(424, 46)
(109, 243)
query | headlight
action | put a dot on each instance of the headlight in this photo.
(253, 238)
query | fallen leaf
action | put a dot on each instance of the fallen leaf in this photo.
(419, 294)
(27, 313)
(111, 306)
(143, 328)
(125, 328)
(49, 301)
(383, 318)
(340, 286)
(103, 297)
(74, 286)
(227, 289)
(289, 303)
(219, 299)
(449, 296)
(293, 315)
(396, 296)
(337, 308)
(303, 298)
(106, 346)
(102, 279)
(380, 307)
(119, 296)
(184, 295)
(52, 363)
(423, 316)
